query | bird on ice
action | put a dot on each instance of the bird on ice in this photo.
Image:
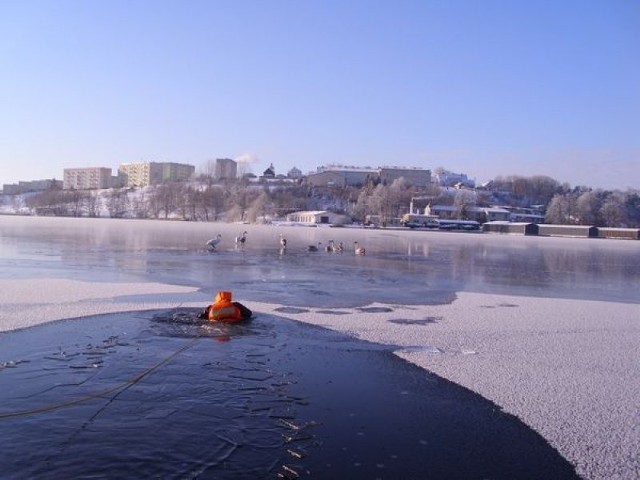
(358, 249)
(314, 248)
(241, 239)
(213, 243)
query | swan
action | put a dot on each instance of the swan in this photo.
(359, 250)
(330, 247)
(283, 241)
(212, 243)
(314, 248)
(241, 239)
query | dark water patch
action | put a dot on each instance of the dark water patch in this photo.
(501, 305)
(273, 399)
(375, 309)
(421, 349)
(333, 312)
(319, 293)
(291, 310)
(187, 316)
(421, 321)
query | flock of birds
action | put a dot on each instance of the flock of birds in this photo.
(331, 247)
(213, 243)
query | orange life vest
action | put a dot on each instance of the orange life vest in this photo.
(223, 309)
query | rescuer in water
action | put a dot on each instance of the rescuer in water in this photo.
(225, 310)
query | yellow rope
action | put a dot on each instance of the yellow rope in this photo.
(123, 386)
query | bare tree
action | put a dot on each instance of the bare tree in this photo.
(612, 211)
(51, 202)
(258, 207)
(385, 201)
(289, 199)
(363, 206)
(117, 203)
(527, 191)
(632, 209)
(588, 206)
(463, 200)
(209, 171)
(165, 200)
(140, 206)
(93, 203)
(543, 189)
(214, 201)
(237, 203)
(77, 200)
(561, 209)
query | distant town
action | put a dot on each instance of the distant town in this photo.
(385, 196)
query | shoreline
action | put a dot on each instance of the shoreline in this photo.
(564, 367)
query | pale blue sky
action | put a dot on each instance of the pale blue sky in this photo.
(484, 87)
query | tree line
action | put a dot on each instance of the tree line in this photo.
(207, 200)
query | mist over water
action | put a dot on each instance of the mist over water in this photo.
(404, 267)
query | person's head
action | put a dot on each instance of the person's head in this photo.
(223, 295)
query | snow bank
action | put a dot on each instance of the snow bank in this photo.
(28, 302)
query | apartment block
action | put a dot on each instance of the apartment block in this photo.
(86, 178)
(31, 186)
(226, 169)
(153, 173)
(177, 172)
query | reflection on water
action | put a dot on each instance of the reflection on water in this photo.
(400, 266)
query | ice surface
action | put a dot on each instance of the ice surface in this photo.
(548, 329)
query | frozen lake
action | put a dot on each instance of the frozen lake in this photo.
(545, 328)
(404, 267)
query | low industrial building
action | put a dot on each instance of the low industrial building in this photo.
(339, 178)
(623, 233)
(583, 231)
(342, 176)
(317, 217)
(514, 228)
(479, 214)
